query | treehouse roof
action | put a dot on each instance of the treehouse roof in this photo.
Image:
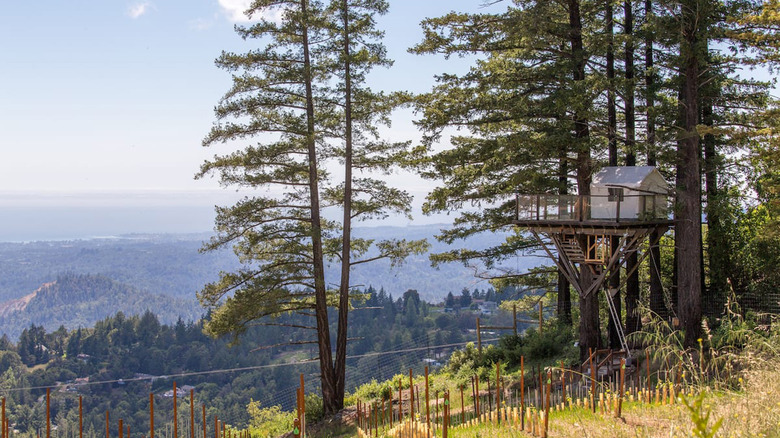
(630, 177)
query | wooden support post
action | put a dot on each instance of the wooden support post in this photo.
(216, 427)
(120, 428)
(107, 433)
(151, 415)
(3, 420)
(81, 417)
(204, 421)
(541, 317)
(479, 338)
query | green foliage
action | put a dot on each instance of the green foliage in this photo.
(269, 422)
(700, 416)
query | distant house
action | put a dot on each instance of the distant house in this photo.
(83, 357)
(81, 381)
(182, 391)
(487, 307)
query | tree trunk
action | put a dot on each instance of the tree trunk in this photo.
(717, 242)
(341, 336)
(327, 379)
(657, 303)
(590, 336)
(688, 211)
(632, 282)
(614, 278)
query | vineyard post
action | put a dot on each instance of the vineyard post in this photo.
(446, 413)
(303, 407)
(296, 428)
(411, 396)
(622, 381)
(498, 392)
(175, 417)
(563, 383)
(522, 393)
(48, 413)
(151, 415)
(592, 381)
(192, 413)
(400, 403)
(547, 404)
(427, 404)
(647, 382)
(462, 407)
(476, 384)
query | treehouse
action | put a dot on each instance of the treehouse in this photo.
(594, 234)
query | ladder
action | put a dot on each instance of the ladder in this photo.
(618, 325)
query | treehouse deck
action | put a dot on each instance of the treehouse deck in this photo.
(594, 235)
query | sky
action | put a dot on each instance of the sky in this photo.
(108, 101)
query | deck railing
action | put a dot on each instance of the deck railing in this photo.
(579, 208)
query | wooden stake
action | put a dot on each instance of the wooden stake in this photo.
(411, 396)
(151, 415)
(175, 416)
(593, 381)
(622, 381)
(48, 414)
(547, 404)
(192, 413)
(476, 383)
(498, 392)
(522, 393)
(427, 404)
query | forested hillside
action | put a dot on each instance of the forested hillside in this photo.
(147, 356)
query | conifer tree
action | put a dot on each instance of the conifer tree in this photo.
(302, 99)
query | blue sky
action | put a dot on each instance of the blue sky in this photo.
(115, 96)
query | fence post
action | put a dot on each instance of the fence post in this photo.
(547, 403)
(498, 392)
(192, 413)
(296, 428)
(81, 416)
(48, 414)
(107, 433)
(411, 396)
(204, 421)
(121, 428)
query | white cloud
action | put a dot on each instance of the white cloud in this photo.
(234, 9)
(138, 9)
